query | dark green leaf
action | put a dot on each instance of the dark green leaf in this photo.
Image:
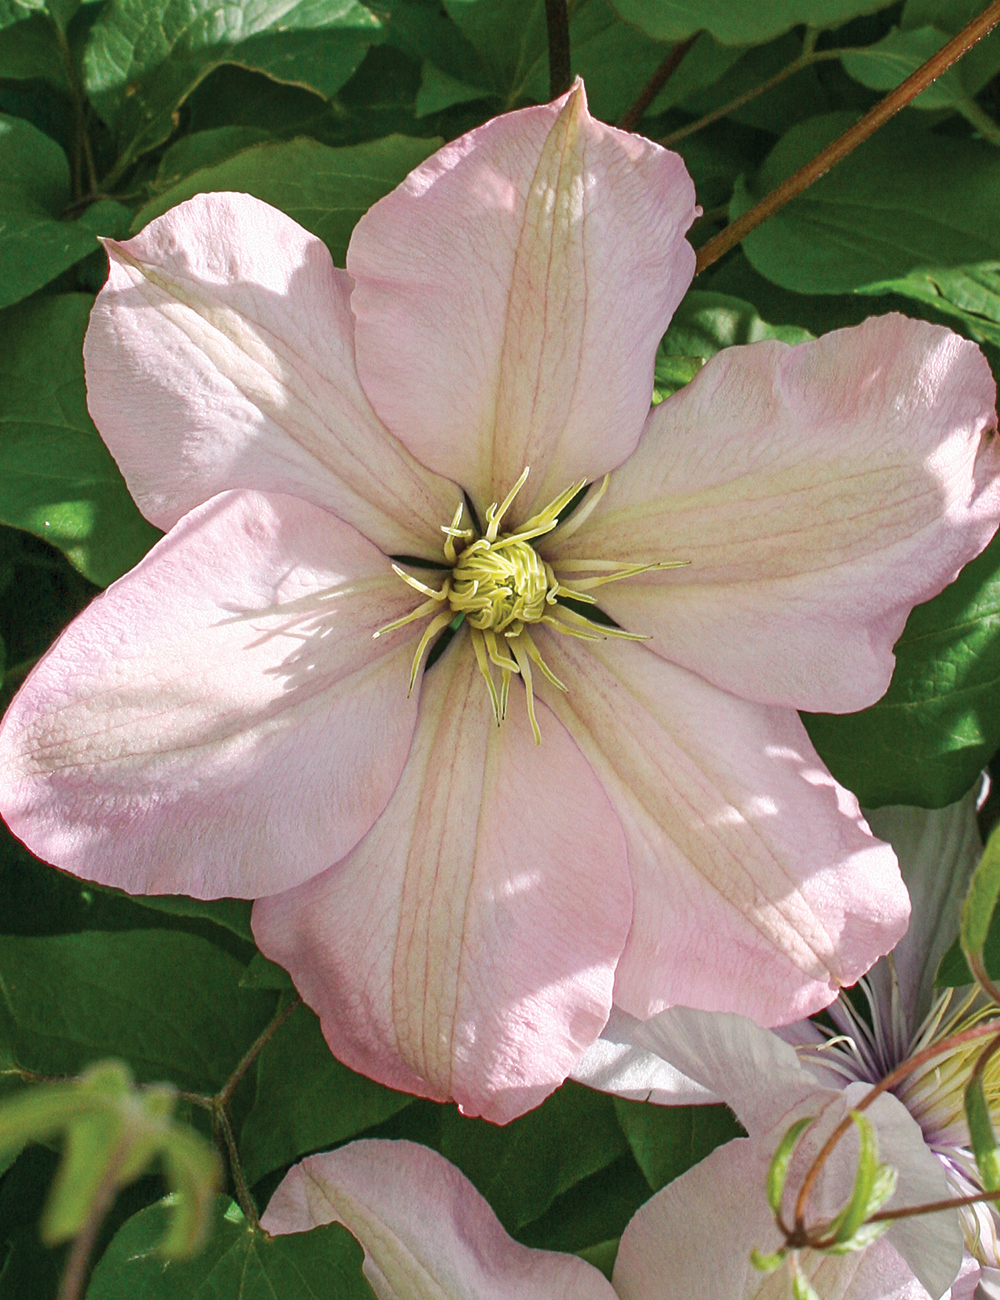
(29, 50)
(930, 735)
(984, 1141)
(144, 57)
(667, 1140)
(35, 245)
(205, 149)
(232, 913)
(325, 190)
(57, 478)
(892, 59)
(522, 1167)
(306, 1100)
(239, 1263)
(593, 1212)
(707, 322)
(167, 1003)
(905, 198)
(798, 97)
(738, 22)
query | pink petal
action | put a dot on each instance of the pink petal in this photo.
(220, 721)
(758, 888)
(426, 1232)
(694, 1238)
(818, 493)
(466, 949)
(220, 354)
(511, 293)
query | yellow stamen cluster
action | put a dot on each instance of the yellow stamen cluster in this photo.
(499, 584)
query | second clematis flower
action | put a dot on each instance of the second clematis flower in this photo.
(454, 437)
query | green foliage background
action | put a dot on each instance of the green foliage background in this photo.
(111, 111)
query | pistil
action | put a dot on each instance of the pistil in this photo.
(499, 584)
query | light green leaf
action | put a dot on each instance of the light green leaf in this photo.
(891, 60)
(57, 478)
(926, 741)
(167, 1003)
(326, 190)
(905, 198)
(706, 322)
(16, 11)
(205, 149)
(144, 57)
(738, 22)
(239, 1263)
(306, 1100)
(777, 1172)
(35, 245)
(522, 1167)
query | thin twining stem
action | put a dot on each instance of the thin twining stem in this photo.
(852, 137)
(255, 1049)
(894, 1077)
(78, 1264)
(557, 22)
(633, 116)
(932, 1207)
(82, 136)
(805, 60)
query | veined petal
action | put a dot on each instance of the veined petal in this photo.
(818, 493)
(466, 949)
(220, 355)
(511, 293)
(219, 721)
(938, 850)
(426, 1232)
(694, 1238)
(758, 888)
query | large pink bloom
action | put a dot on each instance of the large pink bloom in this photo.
(459, 903)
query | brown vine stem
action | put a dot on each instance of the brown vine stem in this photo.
(557, 22)
(633, 116)
(255, 1049)
(852, 137)
(82, 142)
(984, 1030)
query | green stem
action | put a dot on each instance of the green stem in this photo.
(80, 118)
(223, 1125)
(845, 144)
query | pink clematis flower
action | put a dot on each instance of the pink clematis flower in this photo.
(245, 713)
(427, 1233)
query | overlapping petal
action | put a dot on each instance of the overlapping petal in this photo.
(466, 949)
(694, 1238)
(758, 888)
(426, 1232)
(818, 493)
(220, 721)
(220, 355)
(511, 293)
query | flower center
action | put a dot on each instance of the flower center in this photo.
(499, 584)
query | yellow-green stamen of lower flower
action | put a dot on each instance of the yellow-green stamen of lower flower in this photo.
(499, 585)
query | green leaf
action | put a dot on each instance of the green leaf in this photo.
(981, 900)
(439, 91)
(928, 738)
(707, 322)
(984, 1141)
(903, 199)
(231, 913)
(306, 1100)
(29, 50)
(777, 1172)
(325, 190)
(977, 65)
(167, 1003)
(522, 1167)
(738, 22)
(205, 149)
(57, 478)
(35, 246)
(144, 57)
(970, 295)
(849, 1220)
(239, 1263)
(667, 1140)
(591, 1213)
(891, 60)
